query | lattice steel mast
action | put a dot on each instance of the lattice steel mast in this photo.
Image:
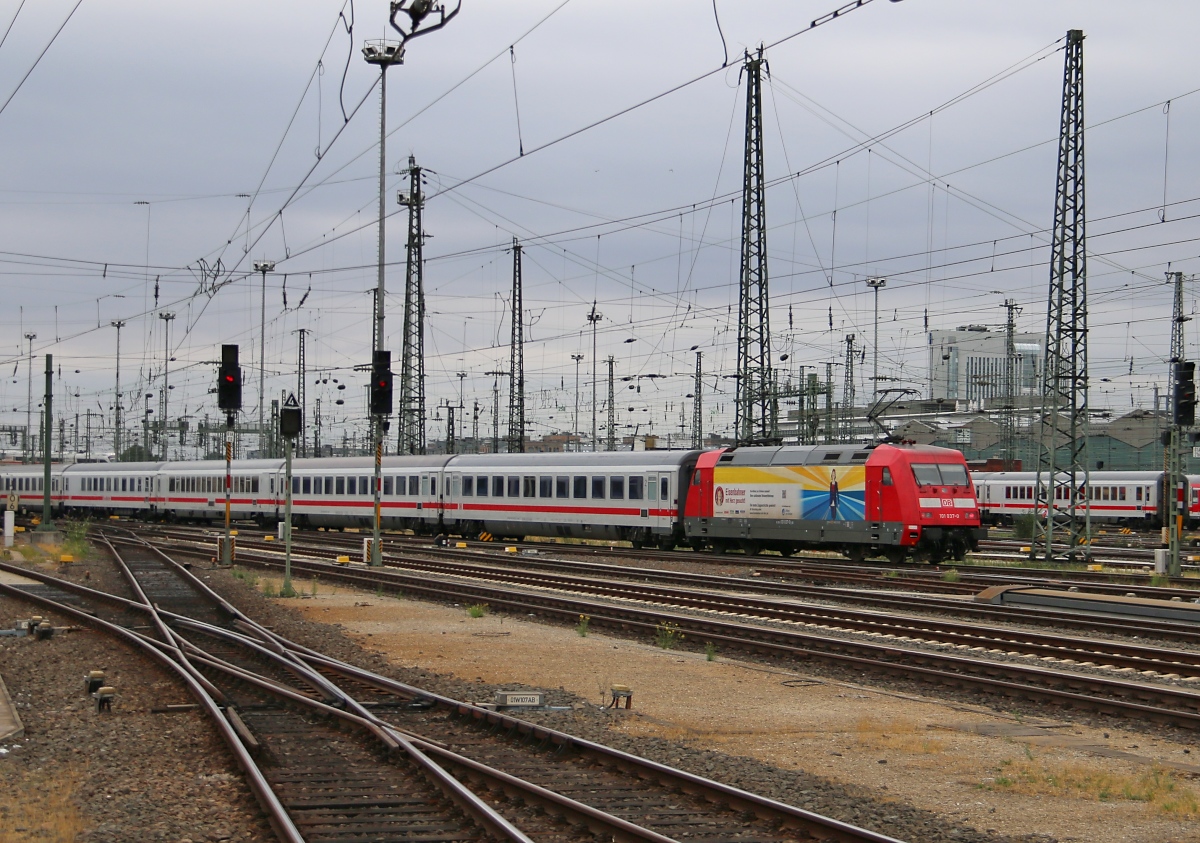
(301, 379)
(1180, 417)
(1010, 386)
(411, 436)
(516, 361)
(698, 403)
(849, 398)
(610, 442)
(756, 421)
(1062, 478)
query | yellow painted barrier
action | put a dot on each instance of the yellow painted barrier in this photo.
(460, 544)
(66, 557)
(343, 560)
(510, 550)
(268, 538)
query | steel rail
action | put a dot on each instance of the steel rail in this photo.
(280, 820)
(953, 670)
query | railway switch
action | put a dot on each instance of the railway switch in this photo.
(104, 698)
(94, 681)
(44, 631)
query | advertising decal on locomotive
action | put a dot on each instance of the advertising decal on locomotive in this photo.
(812, 492)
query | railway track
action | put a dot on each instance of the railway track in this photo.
(781, 583)
(1052, 680)
(338, 754)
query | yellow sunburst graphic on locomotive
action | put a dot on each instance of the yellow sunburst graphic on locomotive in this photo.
(811, 492)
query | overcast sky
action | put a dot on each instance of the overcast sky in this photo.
(149, 135)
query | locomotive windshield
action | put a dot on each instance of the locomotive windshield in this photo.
(939, 474)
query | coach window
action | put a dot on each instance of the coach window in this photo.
(1138, 493)
(468, 487)
(497, 487)
(364, 486)
(616, 488)
(545, 487)
(579, 486)
(664, 488)
(254, 485)
(528, 485)
(433, 487)
(887, 476)
(295, 485)
(1121, 492)
(562, 487)
(598, 487)
(635, 487)
(424, 485)
(414, 485)
(481, 486)
(514, 487)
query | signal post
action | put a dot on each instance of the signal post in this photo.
(381, 408)
(1183, 415)
(290, 424)
(229, 399)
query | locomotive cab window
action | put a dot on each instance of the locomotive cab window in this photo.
(887, 476)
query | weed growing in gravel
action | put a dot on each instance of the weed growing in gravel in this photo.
(42, 808)
(312, 586)
(710, 650)
(1158, 788)
(268, 588)
(29, 553)
(288, 590)
(478, 610)
(951, 576)
(668, 635)
(582, 627)
(77, 543)
(251, 579)
(1160, 581)
(901, 735)
(891, 573)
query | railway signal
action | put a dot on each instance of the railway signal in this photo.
(1185, 393)
(229, 380)
(381, 384)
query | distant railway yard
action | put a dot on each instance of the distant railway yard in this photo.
(988, 701)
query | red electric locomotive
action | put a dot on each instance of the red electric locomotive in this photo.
(859, 500)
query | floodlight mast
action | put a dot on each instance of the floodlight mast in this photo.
(385, 54)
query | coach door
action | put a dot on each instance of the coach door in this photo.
(453, 492)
